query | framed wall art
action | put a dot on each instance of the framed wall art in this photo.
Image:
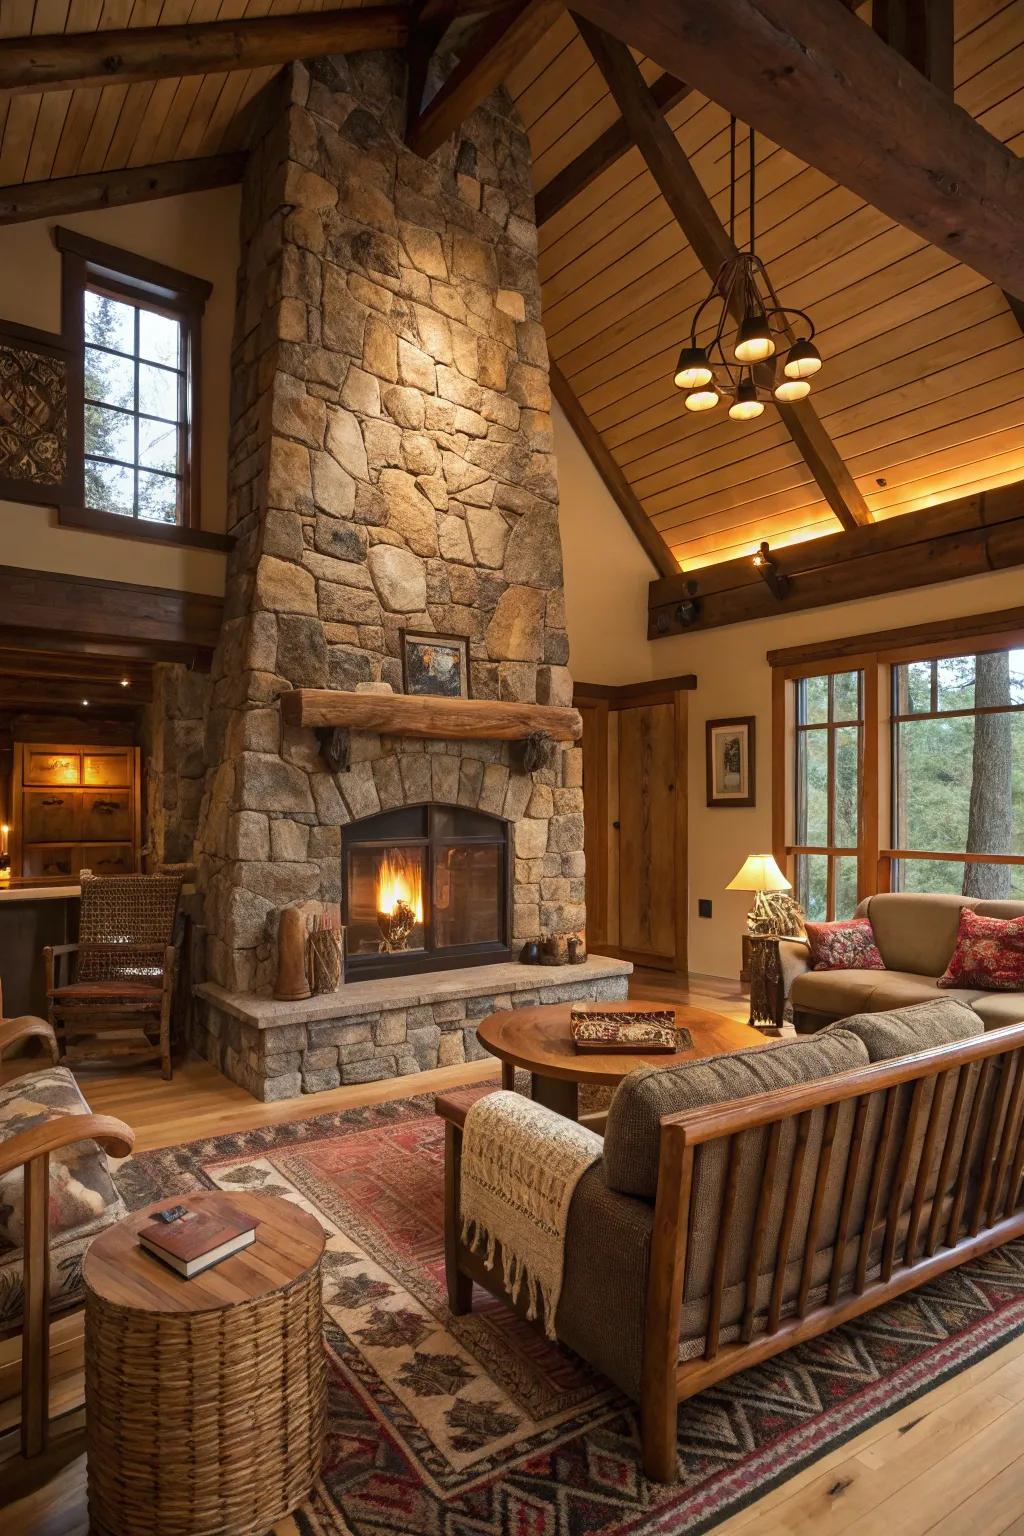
(731, 764)
(435, 664)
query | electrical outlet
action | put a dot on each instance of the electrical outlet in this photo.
(703, 907)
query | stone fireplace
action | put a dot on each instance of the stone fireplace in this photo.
(392, 467)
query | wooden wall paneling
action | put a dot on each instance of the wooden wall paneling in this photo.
(612, 838)
(681, 831)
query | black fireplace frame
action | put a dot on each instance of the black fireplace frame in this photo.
(360, 834)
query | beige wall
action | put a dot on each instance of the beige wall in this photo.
(733, 677)
(199, 234)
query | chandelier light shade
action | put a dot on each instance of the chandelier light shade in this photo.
(802, 361)
(693, 369)
(746, 404)
(772, 353)
(702, 399)
(754, 340)
(788, 390)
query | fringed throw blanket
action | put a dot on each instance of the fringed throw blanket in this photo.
(520, 1166)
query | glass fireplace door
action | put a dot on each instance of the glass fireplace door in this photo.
(425, 888)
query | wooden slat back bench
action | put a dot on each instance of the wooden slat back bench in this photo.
(780, 1216)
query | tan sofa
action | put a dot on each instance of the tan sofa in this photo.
(916, 936)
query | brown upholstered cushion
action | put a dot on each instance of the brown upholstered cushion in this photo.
(903, 1031)
(995, 1009)
(840, 993)
(633, 1128)
(915, 933)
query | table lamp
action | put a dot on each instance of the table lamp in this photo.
(774, 913)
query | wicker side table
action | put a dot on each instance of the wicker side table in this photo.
(205, 1398)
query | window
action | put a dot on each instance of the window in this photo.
(136, 400)
(958, 774)
(903, 762)
(829, 746)
(137, 324)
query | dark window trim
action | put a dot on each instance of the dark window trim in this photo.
(88, 263)
(137, 528)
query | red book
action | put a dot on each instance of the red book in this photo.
(198, 1238)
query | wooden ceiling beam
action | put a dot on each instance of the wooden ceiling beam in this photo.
(114, 617)
(966, 537)
(667, 92)
(622, 493)
(817, 81)
(115, 189)
(60, 60)
(707, 235)
(502, 41)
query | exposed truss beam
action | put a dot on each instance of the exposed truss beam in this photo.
(600, 156)
(657, 551)
(707, 235)
(966, 537)
(56, 61)
(816, 80)
(113, 189)
(501, 42)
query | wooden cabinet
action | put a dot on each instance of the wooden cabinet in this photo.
(75, 808)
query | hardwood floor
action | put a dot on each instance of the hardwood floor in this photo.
(950, 1464)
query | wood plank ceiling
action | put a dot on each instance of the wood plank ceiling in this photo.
(923, 385)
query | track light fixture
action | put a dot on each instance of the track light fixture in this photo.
(688, 611)
(772, 355)
(770, 572)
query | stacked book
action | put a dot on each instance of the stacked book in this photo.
(190, 1240)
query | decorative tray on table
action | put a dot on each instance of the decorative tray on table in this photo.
(608, 1029)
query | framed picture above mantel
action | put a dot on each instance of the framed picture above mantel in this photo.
(435, 664)
(731, 762)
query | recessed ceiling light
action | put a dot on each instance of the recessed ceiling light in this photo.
(85, 703)
(125, 681)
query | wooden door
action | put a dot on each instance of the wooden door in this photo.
(649, 880)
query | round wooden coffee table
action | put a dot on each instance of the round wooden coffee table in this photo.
(538, 1039)
(205, 1398)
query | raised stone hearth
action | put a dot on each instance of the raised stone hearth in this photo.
(375, 1029)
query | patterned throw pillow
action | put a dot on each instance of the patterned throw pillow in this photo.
(845, 946)
(989, 954)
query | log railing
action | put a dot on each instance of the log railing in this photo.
(968, 1151)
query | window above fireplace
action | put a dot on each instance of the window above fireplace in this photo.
(425, 888)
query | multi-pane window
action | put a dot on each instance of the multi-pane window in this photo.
(136, 403)
(958, 775)
(829, 744)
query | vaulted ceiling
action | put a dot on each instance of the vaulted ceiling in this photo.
(922, 392)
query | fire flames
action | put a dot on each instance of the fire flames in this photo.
(399, 879)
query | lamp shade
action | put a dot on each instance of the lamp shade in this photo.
(759, 873)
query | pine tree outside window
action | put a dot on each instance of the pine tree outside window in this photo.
(134, 397)
(136, 409)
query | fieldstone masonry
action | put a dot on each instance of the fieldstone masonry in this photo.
(391, 466)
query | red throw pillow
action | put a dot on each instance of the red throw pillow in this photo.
(989, 954)
(846, 946)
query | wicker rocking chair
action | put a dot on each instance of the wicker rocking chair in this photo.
(119, 977)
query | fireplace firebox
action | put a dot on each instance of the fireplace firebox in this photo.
(425, 888)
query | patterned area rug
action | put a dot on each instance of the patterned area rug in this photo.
(475, 1426)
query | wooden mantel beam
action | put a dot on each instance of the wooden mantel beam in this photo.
(707, 236)
(56, 61)
(438, 719)
(816, 80)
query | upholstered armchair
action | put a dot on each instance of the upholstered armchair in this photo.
(120, 975)
(56, 1195)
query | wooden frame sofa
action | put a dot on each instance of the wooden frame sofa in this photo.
(43, 1116)
(708, 1240)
